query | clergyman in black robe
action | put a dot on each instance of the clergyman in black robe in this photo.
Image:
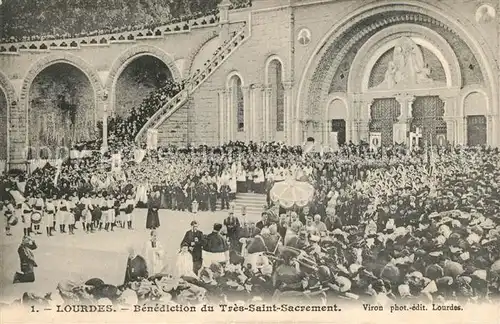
(136, 267)
(152, 220)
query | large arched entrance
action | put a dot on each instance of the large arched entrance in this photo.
(61, 111)
(402, 67)
(141, 76)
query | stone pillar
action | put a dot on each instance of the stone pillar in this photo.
(253, 112)
(489, 130)
(222, 115)
(288, 105)
(404, 120)
(224, 21)
(105, 128)
(362, 122)
(451, 119)
(229, 115)
(462, 130)
(267, 113)
(247, 108)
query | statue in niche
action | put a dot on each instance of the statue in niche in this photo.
(407, 67)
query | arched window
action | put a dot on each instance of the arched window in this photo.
(275, 73)
(237, 101)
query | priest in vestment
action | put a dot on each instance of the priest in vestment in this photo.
(136, 267)
(154, 255)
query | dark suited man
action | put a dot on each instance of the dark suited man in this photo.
(233, 227)
(194, 240)
(215, 247)
(264, 222)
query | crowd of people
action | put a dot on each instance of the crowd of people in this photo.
(74, 19)
(416, 227)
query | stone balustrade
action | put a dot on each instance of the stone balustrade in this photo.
(50, 43)
(193, 83)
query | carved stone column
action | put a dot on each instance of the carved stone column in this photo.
(222, 115)
(247, 108)
(489, 130)
(105, 128)
(402, 126)
(267, 113)
(258, 113)
(252, 112)
(451, 119)
(229, 116)
(362, 121)
(288, 107)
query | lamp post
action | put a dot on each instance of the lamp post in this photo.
(104, 146)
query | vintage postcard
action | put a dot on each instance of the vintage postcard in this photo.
(242, 161)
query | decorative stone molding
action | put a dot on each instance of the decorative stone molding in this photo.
(10, 92)
(67, 58)
(430, 13)
(137, 51)
(379, 43)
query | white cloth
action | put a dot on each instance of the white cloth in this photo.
(184, 265)
(209, 258)
(154, 257)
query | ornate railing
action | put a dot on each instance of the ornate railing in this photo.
(96, 39)
(193, 83)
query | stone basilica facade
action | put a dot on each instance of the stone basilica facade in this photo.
(287, 70)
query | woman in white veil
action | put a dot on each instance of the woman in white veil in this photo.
(154, 254)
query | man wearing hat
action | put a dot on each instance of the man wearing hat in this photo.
(194, 240)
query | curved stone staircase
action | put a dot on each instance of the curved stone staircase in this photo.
(193, 83)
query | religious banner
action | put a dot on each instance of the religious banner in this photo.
(334, 141)
(116, 162)
(375, 140)
(152, 139)
(415, 138)
(399, 133)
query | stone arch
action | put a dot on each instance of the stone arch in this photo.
(121, 63)
(11, 99)
(340, 97)
(8, 88)
(194, 52)
(231, 75)
(135, 52)
(67, 58)
(480, 93)
(385, 39)
(435, 12)
(269, 60)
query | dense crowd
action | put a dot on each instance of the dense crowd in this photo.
(421, 225)
(57, 19)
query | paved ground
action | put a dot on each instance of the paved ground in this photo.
(83, 256)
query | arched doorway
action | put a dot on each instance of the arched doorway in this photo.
(475, 112)
(336, 123)
(276, 113)
(139, 78)
(359, 57)
(61, 110)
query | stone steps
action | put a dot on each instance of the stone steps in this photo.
(254, 203)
